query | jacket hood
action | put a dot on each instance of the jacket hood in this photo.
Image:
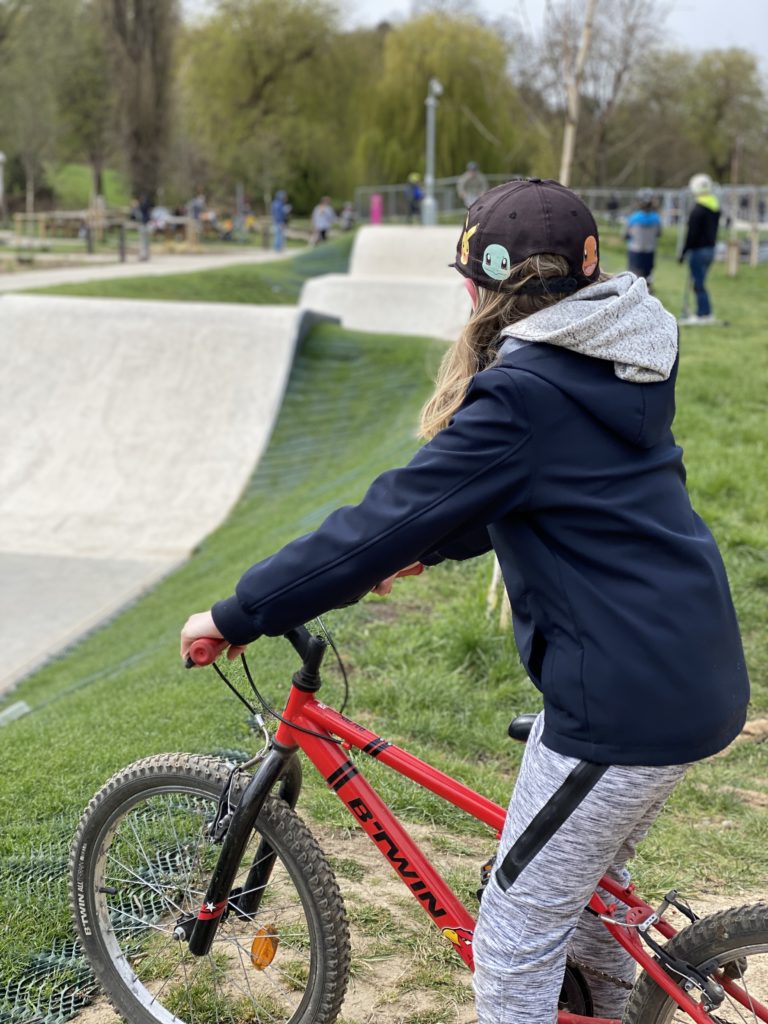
(616, 319)
(617, 322)
(709, 201)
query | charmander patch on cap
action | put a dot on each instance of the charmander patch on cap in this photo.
(591, 259)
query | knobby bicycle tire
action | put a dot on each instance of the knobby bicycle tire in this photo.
(140, 863)
(737, 940)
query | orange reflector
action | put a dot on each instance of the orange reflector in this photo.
(264, 947)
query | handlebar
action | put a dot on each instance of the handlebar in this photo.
(206, 650)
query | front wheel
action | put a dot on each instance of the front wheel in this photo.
(140, 864)
(734, 942)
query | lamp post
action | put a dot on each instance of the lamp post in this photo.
(429, 203)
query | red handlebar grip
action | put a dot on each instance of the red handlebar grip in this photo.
(413, 570)
(206, 650)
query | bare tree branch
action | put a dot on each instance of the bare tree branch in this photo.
(574, 87)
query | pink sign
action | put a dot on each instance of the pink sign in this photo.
(377, 208)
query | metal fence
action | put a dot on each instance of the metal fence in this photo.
(743, 204)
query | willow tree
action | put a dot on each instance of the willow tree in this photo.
(479, 114)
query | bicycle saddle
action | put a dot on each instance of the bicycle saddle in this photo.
(520, 727)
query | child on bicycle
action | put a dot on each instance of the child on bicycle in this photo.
(550, 443)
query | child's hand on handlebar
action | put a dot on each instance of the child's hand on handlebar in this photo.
(199, 626)
(385, 587)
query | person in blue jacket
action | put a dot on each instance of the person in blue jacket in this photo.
(550, 442)
(280, 210)
(642, 233)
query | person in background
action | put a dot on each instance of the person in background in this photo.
(414, 195)
(348, 217)
(226, 227)
(700, 240)
(642, 234)
(141, 211)
(323, 219)
(471, 184)
(196, 206)
(280, 210)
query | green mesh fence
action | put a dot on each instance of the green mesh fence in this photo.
(316, 426)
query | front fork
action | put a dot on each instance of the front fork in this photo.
(280, 761)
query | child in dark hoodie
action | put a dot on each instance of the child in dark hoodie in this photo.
(700, 243)
(550, 443)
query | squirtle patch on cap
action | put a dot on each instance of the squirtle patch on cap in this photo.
(496, 262)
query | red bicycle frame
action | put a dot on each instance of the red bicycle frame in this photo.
(330, 758)
(326, 736)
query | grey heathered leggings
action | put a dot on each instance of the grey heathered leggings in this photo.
(523, 936)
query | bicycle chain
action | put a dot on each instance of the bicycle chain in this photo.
(603, 975)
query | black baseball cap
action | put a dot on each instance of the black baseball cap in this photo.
(511, 222)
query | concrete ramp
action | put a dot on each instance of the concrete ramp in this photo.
(399, 282)
(405, 251)
(424, 307)
(128, 431)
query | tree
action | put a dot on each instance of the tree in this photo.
(624, 39)
(728, 112)
(141, 35)
(250, 74)
(9, 9)
(86, 96)
(478, 112)
(649, 125)
(34, 36)
(574, 73)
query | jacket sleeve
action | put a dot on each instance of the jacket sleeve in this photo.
(694, 230)
(468, 544)
(469, 475)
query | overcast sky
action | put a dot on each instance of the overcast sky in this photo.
(692, 24)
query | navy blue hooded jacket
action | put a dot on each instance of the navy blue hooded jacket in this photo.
(621, 606)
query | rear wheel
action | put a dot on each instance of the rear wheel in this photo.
(140, 864)
(733, 943)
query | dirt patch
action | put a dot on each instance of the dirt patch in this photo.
(755, 730)
(751, 797)
(403, 970)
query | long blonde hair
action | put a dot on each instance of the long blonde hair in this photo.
(477, 347)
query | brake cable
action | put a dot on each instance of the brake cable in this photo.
(269, 709)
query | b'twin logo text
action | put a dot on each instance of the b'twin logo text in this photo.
(398, 861)
(82, 910)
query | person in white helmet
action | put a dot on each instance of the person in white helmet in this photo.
(700, 241)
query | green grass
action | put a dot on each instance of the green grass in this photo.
(427, 667)
(275, 283)
(72, 185)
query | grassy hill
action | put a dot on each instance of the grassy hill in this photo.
(428, 666)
